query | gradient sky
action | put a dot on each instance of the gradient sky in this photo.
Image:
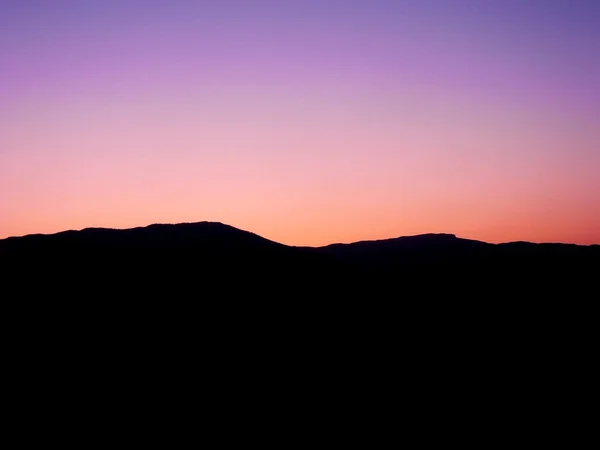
(307, 122)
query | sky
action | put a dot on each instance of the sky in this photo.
(307, 122)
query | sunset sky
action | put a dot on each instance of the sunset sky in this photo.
(305, 121)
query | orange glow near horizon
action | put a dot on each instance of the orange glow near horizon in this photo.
(296, 177)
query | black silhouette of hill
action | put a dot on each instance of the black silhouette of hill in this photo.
(409, 250)
(163, 256)
(449, 250)
(214, 238)
(187, 290)
(207, 251)
(204, 235)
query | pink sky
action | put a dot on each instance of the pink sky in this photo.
(306, 137)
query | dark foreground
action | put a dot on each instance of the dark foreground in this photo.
(433, 318)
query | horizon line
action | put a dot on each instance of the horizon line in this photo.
(302, 246)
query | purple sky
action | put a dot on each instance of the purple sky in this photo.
(307, 121)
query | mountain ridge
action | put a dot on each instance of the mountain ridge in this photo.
(208, 259)
(225, 227)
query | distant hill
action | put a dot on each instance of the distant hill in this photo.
(182, 290)
(211, 253)
(449, 250)
(217, 238)
(204, 235)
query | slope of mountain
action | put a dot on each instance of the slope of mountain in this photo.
(409, 250)
(205, 235)
(191, 257)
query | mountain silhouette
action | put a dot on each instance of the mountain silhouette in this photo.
(215, 238)
(204, 235)
(185, 289)
(182, 250)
